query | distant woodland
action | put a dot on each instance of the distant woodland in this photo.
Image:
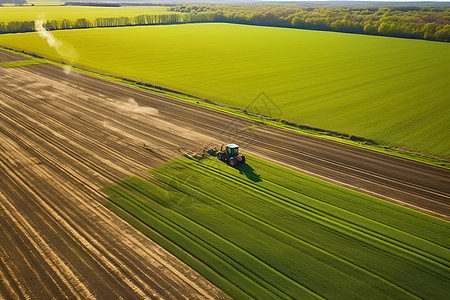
(429, 23)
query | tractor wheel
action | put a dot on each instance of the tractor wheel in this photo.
(243, 159)
(233, 162)
(220, 156)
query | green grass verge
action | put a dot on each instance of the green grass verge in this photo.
(21, 63)
(391, 90)
(265, 231)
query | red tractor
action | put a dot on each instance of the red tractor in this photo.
(231, 155)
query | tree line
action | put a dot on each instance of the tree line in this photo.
(16, 26)
(427, 22)
(29, 26)
(430, 23)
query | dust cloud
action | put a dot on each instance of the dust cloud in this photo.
(64, 49)
(131, 105)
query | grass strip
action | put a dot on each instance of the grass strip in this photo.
(21, 63)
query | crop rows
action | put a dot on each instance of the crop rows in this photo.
(268, 232)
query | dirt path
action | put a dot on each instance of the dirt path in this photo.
(64, 136)
(7, 56)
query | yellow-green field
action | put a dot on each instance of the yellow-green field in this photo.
(394, 91)
(55, 12)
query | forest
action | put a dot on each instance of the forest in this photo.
(427, 22)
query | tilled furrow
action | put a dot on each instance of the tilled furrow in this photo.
(149, 277)
(120, 268)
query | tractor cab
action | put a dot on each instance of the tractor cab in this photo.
(232, 150)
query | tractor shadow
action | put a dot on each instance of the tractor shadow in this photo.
(249, 172)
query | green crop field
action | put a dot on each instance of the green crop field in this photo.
(394, 91)
(265, 231)
(57, 12)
